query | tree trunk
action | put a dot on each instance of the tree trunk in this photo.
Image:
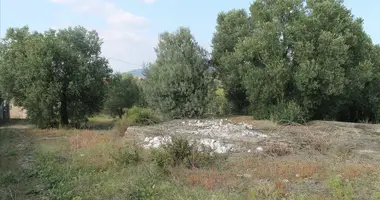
(120, 112)
(64, 113)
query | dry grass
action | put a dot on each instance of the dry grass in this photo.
(211, 179)
(352, 172)
(306, 157)
(278, 149)
(87, 139)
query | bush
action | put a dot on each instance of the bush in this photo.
(219, 104)
(287, 113)
(137, 116)
(181, 152)
(127, 156)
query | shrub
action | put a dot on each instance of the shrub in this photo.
(181, 152)
(341, 189)
(278, 149)
(137, 116)
(127, 156)
(287, 113)
(161, 158)
(219, 104)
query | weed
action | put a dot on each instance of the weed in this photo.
(161, 158)
(278, 149)
(341, 189)
(179, 149)
(8, 178)
(142, 191)
(137, 116)
(266, 191)
(313, 141)
(181, 152)
(127, 156)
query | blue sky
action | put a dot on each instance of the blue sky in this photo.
(130, 28)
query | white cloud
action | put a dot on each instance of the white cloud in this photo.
(123, 34)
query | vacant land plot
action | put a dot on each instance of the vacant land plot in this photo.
(321, 160)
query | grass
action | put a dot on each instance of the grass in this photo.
(95, 164)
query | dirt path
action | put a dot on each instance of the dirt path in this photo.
(17, 161)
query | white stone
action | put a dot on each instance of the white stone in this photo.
(259, 149)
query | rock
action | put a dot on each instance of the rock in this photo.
(259, 149)
(247, 176)
(155, 142)
(219, 135)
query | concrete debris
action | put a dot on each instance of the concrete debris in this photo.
(220, 136)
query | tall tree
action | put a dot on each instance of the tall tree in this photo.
(123, 92)
(231, 27)
(308, 55)
(57, 75)
(180, 82)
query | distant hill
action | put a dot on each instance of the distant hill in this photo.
(137, 72)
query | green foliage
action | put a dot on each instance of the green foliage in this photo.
(181, 152)
(341, 189)
(179, 83)
(231, 27)
(218, 105)
(123, 92)
(127, 156)
(137, 116)
(8, 178)
(299, 60)
(56, 75)
(288, 112)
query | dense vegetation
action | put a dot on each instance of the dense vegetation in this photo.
(298, 60)
(290, 61)
(57, 75)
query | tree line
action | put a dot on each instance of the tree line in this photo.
(289, 61)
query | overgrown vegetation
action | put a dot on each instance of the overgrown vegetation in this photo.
(138, 116)
(91, 164)
(181, 152)
(289, 61)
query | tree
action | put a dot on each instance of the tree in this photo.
(123, 92)
(309, 59)
(180, 82)
(57, 75)
(231, 27)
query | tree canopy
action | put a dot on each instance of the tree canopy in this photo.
(309, 59)
(56, 75)
(123, 92)
(179, 82)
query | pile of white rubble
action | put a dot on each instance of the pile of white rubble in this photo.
(218, 135)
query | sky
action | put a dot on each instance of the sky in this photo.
(130, 28)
